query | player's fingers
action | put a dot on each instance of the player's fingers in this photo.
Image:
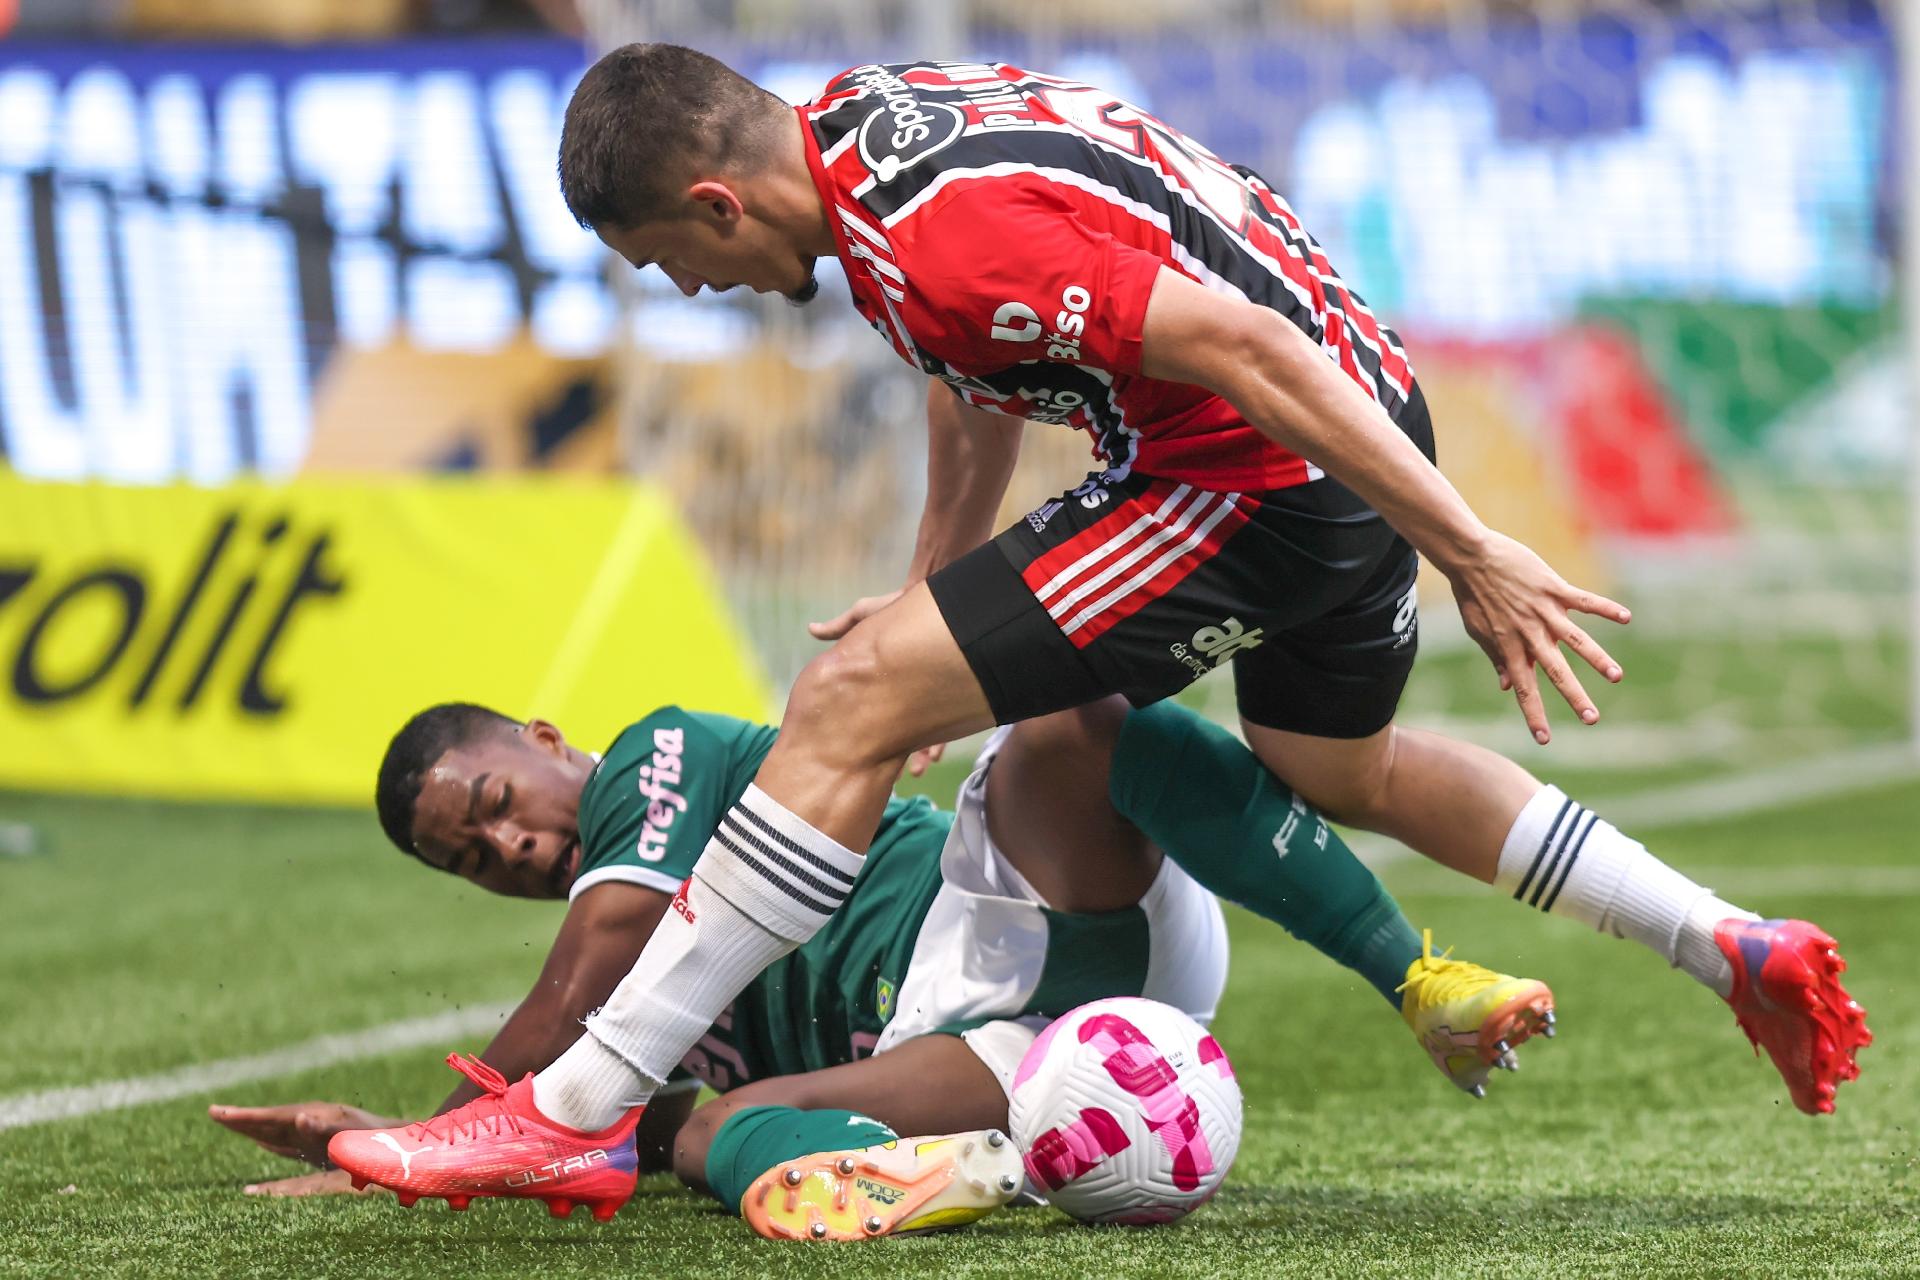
(936, 752)
(1526, 692)
(331, 1183)
(1598, 605)
(917, 763)
(1594, 654)
(1562, 677)
(833, 628)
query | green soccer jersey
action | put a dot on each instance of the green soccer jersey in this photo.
(645, 817)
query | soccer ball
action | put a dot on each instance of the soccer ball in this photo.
(1128, 1112)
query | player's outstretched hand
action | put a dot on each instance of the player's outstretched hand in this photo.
(1519, 612)
(297, 1130)
(328, 1182)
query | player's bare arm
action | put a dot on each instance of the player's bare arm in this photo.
(1514, 605)
(603, 934)
(970, 458)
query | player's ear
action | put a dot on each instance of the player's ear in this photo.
(716, 202)
(545, 735)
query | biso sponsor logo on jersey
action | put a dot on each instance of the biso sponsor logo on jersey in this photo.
(907, 129)
(1212, 646)
(1070, 324)
(656, 781)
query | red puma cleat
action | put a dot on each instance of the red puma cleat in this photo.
(1787, 997)
(496, 1145)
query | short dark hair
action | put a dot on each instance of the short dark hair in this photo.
(417, 748)
(644, 118)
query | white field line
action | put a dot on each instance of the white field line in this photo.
(309, 1055)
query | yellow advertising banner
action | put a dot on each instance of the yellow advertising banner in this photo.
(264, 641)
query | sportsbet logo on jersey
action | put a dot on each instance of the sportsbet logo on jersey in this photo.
(263, 641)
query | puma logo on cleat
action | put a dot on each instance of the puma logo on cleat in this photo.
(406, 1157)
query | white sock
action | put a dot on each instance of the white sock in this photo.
(765, 884)
(1565, 859)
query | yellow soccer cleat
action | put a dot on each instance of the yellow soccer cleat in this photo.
(908, 1185)
(1470, 1019)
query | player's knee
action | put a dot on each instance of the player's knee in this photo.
(841, 700)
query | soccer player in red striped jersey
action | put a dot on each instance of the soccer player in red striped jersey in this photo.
(1047, 252)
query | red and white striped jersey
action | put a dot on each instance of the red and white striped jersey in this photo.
(1002, 229)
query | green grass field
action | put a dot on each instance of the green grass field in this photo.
(1645, 1140)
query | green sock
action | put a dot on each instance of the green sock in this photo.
(755, 1139)
(1212, 807)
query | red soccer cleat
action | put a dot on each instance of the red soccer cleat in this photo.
(496, 1145)
(1787, 997)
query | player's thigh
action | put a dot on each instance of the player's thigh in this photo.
(1317, 699)
(1048, 813)
(896, 682)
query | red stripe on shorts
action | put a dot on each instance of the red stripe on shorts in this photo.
(1156, 579)
(1106, 536)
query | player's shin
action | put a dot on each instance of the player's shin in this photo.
(1565, 859)
(765, 884)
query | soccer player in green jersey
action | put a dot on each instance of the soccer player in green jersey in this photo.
(1044, 887)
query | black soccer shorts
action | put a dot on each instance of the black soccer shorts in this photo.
(1140, 585)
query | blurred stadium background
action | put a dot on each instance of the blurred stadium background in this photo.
(315, 406)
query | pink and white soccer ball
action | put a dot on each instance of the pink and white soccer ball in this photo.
(1127, 1111)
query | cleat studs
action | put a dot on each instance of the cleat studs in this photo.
(457, 1203)
(793, 1177)
(560, 1208)
(406, 1198)
(359, 1183)
(604, 1211)
(996, 1139)
(818, 1231)
(1478, 1091)
(873, 1226)
(1503, 1048)
(844, 1166)
(1009, 1183)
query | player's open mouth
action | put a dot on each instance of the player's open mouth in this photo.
(567, 866)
